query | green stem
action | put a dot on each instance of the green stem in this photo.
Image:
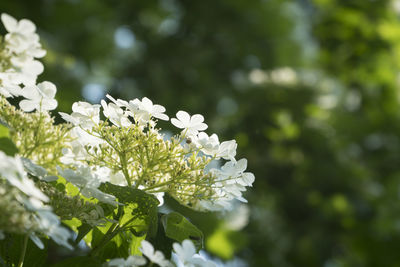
(112, 231)
(23, 252)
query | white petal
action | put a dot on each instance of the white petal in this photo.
(9, 22)
(31, 92)
(161, 116)
(183, 116)
(26, 26)
(196, 119)
(147, 248)
(177, 123)
(158, 109)
(201, 126)
(28, 105)
(48, 89)
(49, 104)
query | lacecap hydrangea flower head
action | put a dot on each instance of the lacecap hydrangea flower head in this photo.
(106, 168)
(127, 148)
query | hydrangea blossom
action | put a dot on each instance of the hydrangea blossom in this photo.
(42, 220)
(115, 114)
(186, 253)
(87, 182)
(191, 124)
(131, 261)
(185, 256)
(83, 114)
(21, 47)
(154, 256)
(144, 110)
(40, 97)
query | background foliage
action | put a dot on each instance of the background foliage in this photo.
(308, 88)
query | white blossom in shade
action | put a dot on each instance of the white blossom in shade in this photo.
(11, 169)
(8, 86)
(209, 145)
(40, 97)
(153, 255)
(118, 102)
(21, 36)
(191, 124)
(233, 172)
(142, 111)
(83, 114)
(131, 261)
(185, 252)
(76, 151)
(227, 150)
(187, 256)
(22, 46)
(37, 171)
(237, 218)
(50, 224)
(115, 114)
(26, 72)
(87, 182)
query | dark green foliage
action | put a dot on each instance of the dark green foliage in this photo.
(6, 144)
(177, 227)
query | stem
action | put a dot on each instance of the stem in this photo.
(36, 137)
(23, 252)
(124, 168)
(107, 237)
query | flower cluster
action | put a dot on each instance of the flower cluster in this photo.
(183, 255)
(128, 149)
(18, 67)
(32, 213)
(95, 172)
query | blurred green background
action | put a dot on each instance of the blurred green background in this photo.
(308, 88)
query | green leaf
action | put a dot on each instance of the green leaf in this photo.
(138, 205)
(79, 261)
(177, 227)
(83, 230)
(6, 145)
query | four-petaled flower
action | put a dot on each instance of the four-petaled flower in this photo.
(154, 256)
(40, 97)
(191, 124)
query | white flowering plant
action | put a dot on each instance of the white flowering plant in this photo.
(98, 179)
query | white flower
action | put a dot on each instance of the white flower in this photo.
(88, 183)
(187, 255)
(185, 252)
(50, 224)
(235, 172)
(118, 102)
(192, 124)
(154, 256)
(11, 168)
(227, 150)
(84, 115)
(131, 261)
(8, 86)
(22, 45)
(115, 114)
(40, 97)
(21, 36)
(144, 110)
(209, 144)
